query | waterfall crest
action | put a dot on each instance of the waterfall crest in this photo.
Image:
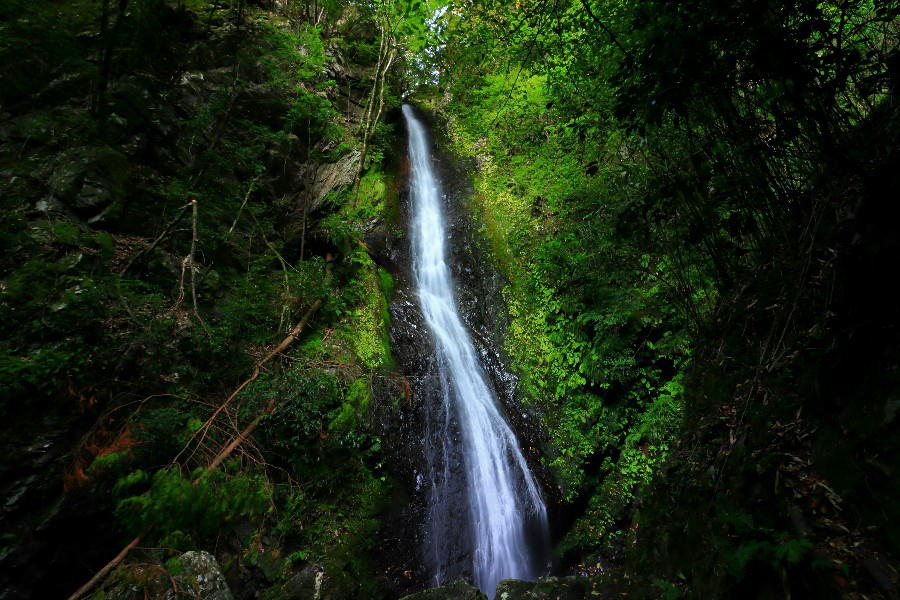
(504, 505)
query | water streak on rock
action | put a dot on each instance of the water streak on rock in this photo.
(505, 511)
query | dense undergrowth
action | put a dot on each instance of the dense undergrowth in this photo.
(176, 195)
(681, 197)
(594, 331)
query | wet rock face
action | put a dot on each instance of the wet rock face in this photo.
(479, 295)
(330, 176)
(408, 407)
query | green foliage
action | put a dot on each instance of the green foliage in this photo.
(38, 373)
(334, 522)
(175, 503)
(640, 165)
(387, 284)
(608, 286)
(250, 307)
(22, 52)
(643, 439)
(226, 105)
(592, 334)
(353, 410)
(368, 332)
(162, 431)
(748, 543)
(111, 463)
(292, 55)
(307, 403)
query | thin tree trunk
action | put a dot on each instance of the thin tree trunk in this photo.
(385, 58)
(310, 189)
(193, 261)
(387, 68)
(104, 28)
(102, 573)
(381, 56)
(373, 123)
(110, 46)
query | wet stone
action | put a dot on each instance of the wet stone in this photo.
(458, 590)
(547, 588)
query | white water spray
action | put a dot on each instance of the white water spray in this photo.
(504, 502)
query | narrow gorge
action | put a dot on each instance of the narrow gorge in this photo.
(449, 299)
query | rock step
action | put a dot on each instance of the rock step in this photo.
(546, 588)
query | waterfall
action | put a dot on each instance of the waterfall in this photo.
(504, 512)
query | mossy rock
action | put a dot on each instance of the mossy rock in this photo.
(458, 590)
(196, 575)
(547, 588)
(90, 180)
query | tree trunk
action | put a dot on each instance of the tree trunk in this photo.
(109, 48)
(386, 56)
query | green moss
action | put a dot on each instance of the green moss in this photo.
(175, 502)
(580, 310)
(86, 310)
(388, 286)
(369, 200)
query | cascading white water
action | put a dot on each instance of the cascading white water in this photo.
(504, 502)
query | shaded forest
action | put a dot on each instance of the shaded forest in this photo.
(687, 210)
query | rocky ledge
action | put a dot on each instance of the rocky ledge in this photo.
(547, 588)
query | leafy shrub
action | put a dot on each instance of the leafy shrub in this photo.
(175, 503)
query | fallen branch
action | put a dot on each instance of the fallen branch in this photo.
(102, 573)
(243, 435)
(243, 204)
(235, 443)
(202, 431)
(240, 438)
(161, 237)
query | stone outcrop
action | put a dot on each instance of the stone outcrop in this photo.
(200, 578)
(546, 588)
(458, 590)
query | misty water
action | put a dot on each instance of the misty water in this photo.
(503, 505)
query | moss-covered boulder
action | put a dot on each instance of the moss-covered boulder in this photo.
(458, 590)
(194, 575)
(90, 180)
(303, 585)
(548, 588)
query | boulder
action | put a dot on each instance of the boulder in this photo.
(458, 590)
(203, 577)
(200, 579)
(547, 588)
(90, 180)
(306, 585)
